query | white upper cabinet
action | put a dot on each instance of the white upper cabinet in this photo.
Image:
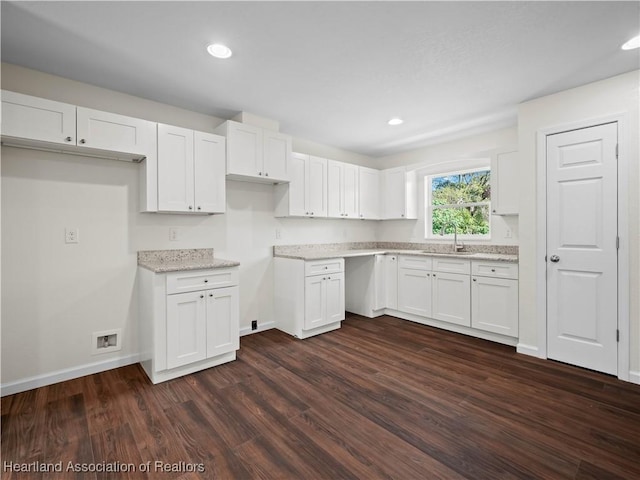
(118, 133)
(256, 154)
(505, 182)
(36, 118)
(368, 193)
(342, 183)
(399, 194)
(40, 123)
(306, 194)
(190, 171)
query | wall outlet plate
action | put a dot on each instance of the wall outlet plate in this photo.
(106, 341)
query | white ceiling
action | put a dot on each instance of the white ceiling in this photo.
(332, 72)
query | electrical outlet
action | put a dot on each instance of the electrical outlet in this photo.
(174, 235)
(71, 235)
(278, 234)
(254, 324)
(508, 233)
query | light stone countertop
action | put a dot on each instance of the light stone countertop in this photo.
(320, 252)
(161, 261)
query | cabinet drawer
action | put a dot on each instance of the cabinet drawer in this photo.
(494, 269)
(414, 262)
(451, 265)
(333, 265)
(180, 282)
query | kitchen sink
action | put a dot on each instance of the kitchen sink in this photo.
(449, 253)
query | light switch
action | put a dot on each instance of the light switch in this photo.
(71, 235)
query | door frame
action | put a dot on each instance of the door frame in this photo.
(623, 233)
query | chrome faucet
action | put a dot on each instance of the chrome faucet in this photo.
(456, 247)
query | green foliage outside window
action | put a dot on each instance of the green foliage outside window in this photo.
(461, 199)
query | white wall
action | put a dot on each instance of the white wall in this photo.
(612, 96)
(446, 157)
(55, 295)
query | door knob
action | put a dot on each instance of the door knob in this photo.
(555, 258)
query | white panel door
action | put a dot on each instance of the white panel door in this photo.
(297, 185)
(451, 296)
(494, 305)
(317, 186)
(314, 301)
(24, 116)
(582, 308)
(334, 298)
(209, 172)
(223, 317)
(244, 149)
(393, 197)
(350, 205)
(276, 155)
(175, 169)
(369, 193)
(186, 329)
(118, 133)
(335, 189)
(391, 281)
(414, 292)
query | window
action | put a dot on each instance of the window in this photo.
(458, 200)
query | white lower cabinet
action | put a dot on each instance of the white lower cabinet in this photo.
(189, 321)
(494, 298)
(309, 296)
(451, 298)
(391, 281)
(414, 289)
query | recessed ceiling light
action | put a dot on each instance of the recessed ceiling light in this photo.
(631, 44)
(219, 50)
(395, 121)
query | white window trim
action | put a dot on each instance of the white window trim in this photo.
(428, 219)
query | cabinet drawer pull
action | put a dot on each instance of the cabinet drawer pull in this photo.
(493, 269)
(206, 280)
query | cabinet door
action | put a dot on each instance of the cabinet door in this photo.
(350, 190)
(505, 184)
(451, 298)
(118, 133)
(24, 116)
(414, 292)
(494, 305)
(209, 172)
(379, 282)
(186, 329)
(334, 298)
(369, 193)
(276, 155)
(314, 301)
(223, 318)
(244, 149)
(316, 191)
(175, 169)
(393, 198)
(391, 281)
(297, 186)
(335, 190)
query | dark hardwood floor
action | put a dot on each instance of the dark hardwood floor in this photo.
(381, 398)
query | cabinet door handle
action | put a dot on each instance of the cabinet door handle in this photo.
(82, 140)
(474, 279)
(190, 207)
(199, 208)
(260, 173)
(434, 274)
(266, 174)
(326, 267)
(201, 296)
(346, 214)
(68, 139)
(493, 269)
(328, 278)
(206, 280)
(211, 294)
